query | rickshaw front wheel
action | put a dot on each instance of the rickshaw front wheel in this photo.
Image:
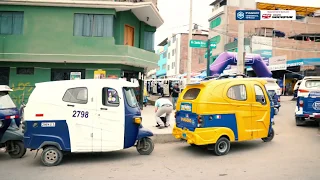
(222, 146)
(145, 146)
(51, 156)
(270, 136)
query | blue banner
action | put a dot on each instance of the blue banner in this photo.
(247, 14)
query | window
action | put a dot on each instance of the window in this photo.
(313, 84)
(259, 94)
(90, 25)
(26, 71)
(110, 97)
(5, 101)
(168, 67)
(11, 22)
(164, 55)
(174, 39)
(130, 97)
(237, 92)
(149, 41)
(77, 95)
(173, 64)
(169, 43)
(191, 94)
(172, 52)
(168, 55)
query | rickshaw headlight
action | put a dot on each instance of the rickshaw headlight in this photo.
(1, 124)
(137, 120)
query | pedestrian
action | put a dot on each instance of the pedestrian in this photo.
(163, 106)
(175, 94)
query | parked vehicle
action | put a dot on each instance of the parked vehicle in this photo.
(89, 115)
(276, 100)
(295, 88)
(11, 136)
(308, 100)
(239, 110)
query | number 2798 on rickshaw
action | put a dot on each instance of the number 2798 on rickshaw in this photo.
(217, 112)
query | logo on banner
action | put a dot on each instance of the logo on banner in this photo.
(240, 15)
(266, 16)
(316, 105)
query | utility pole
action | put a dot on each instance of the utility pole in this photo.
(189, 48)
(241, 58)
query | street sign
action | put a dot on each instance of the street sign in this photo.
(198, 44)
(213, 45)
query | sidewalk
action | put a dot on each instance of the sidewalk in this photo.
(149, 122)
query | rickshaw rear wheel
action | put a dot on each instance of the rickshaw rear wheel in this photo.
(300, 121)
(51, 156)
(222, 146)
(18, 150)
(270, 136)
(146, 146)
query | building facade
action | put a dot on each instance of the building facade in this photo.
(177, 53)
(162, 63)
(297, 41)
(47, 40)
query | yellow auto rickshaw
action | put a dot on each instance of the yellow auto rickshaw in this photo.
(217, 112)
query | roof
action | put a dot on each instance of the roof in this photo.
(227, 80)
(87, 82)
(144, 11)
(164, 42)
(5, 88)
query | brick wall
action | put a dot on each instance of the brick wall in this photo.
(198, 61)
(282, 46)
(290, 28)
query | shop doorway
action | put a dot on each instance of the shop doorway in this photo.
(4, 75)
(64, 74)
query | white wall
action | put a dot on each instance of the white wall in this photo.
(261, 43)
(248, 3)
(173, 59)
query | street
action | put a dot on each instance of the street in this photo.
(293, 154)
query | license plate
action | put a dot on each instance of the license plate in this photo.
(184, 135)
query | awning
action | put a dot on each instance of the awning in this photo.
(302, 8)
(144, 11)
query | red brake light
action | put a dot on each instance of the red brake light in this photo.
(301, 103)
(303, 90)
(199, 119)
(39, 115)
(278, 99)
(12, 117)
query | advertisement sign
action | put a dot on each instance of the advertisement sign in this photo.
(265, 15)
(75, 75)
(278, 63)
(99, 74)
(278, 15)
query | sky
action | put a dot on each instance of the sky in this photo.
(175, 14)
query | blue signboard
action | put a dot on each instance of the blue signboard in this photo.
(247, 15)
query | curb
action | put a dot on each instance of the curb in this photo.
(164, 138)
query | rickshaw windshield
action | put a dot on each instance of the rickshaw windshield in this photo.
(6, 101)
(130, 97)
(313, 83)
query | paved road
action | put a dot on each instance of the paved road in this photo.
(293, 154)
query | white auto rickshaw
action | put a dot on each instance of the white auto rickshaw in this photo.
(88, 115)
(168, 85)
